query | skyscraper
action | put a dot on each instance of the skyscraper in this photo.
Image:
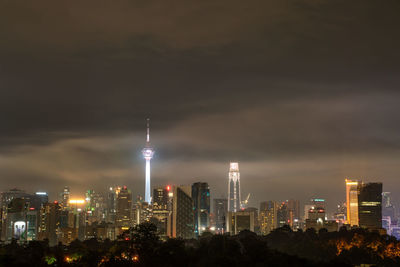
(268, 216)
(124, 209)
(180, 223)
(234, 199)
(48, 222)
(201, 207)
(352, 202)
(220, 212)
(387, 206)
(293, 211)
(95, 207)
(64, 197)
(148, 153)
(162, 206)
(370, 205)
(283, 214)
(111, 204)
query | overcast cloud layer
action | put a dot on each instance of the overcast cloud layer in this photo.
(301, 93)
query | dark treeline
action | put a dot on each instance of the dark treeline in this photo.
(141, 246)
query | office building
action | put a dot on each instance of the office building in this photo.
(49, 222)
(111, 206)
(201, 207)
(370, 205)
(268, 216)
(64, 197)
(162, 207)
(352, 202)
(388, 208)
(181, 222)
(240, 221)
(95, 207)
(283, 214)
(340, 214)
(123, 210)
(220, 212)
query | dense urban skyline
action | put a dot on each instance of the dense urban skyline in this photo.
(301, 97)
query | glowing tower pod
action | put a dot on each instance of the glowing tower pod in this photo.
(234, 198)
(148, 153)
(352, 202)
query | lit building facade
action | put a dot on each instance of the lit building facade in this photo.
(162, 208)
(95, 207)
(239, 221)
(370, 205)
(123, 210)
(268, 216)
(64, 197)
(148, 153)
(49, 222)
(220, 212)
(181, 222)
(201, 207)
(283, 214)
(234, 196)
(352, 202)
(111, 209)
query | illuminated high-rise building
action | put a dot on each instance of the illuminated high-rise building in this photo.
(49, 222)
(370, 205)
(387, 206)
(112, 204)
(64, 197)
(234, 199)
(95, 207)
(201, 207)
(162, 207)
(148, 153)
(268, 216)
(283, 214)
(293, 211)
(352, 202)
(220, 212)
(180, 223)
(123, 209)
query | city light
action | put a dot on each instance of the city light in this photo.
(41, 193)
(76, 201)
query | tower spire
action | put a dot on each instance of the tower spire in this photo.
(148, 153)
(148, 131)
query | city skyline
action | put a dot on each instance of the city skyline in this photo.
(302, 98)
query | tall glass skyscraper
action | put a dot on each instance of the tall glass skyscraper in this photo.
(201, 207)
(234, 199)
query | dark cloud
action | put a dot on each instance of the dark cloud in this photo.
(302, 93)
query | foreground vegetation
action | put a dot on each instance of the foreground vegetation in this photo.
(141, 246)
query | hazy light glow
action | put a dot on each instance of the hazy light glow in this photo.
(76, 201)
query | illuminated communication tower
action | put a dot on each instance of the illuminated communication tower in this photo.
(148, 153)
(234, 199)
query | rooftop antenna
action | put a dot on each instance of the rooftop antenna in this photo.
(148, 130)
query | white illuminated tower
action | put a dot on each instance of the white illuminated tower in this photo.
(148, 153)
(234, 187)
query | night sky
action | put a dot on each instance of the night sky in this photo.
(301, 93)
